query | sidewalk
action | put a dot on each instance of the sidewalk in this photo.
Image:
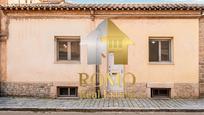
(34, 104)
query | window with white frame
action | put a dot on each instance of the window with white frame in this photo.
(160, 50)
(68, 49)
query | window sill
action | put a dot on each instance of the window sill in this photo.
(67, 62)
(65, 97)
(161, 97)
(161, 63)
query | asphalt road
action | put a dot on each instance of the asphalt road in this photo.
(97, 113)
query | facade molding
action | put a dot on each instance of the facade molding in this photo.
(103, 14)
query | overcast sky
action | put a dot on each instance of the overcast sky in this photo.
(136, 1)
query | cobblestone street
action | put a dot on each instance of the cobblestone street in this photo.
(8, 103)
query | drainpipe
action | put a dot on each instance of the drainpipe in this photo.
(0, 50)
(98, 92)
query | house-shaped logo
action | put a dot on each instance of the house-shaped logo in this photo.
(107, 37)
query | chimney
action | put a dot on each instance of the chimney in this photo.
(3, 2)
(52, 1)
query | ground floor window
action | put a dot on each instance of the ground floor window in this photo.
(160, 92)
(160, 50)
(67, 91)
(68, 48)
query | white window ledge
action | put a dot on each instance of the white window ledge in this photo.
(68, 98)
(67, 62)
(161, 63)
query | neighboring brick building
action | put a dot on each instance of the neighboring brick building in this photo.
(29, 1)
(42, 49)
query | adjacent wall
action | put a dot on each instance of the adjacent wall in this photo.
(201, 56)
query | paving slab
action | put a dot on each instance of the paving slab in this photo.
(112, 104)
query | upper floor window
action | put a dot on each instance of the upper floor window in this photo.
(68, 49)
(159, 50)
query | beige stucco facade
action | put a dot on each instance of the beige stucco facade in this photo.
(31, 42)
(45, 30)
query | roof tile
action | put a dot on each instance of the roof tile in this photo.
(106, 6)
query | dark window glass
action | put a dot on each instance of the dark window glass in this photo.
(163, 92)
(75, 51)
(153, 50)
(67, 91)
(155, 92)
(63, 91)
(68, 50)
(62, 50)
(159, 50)
(165, 49)
(72, 91)
(160, 92)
